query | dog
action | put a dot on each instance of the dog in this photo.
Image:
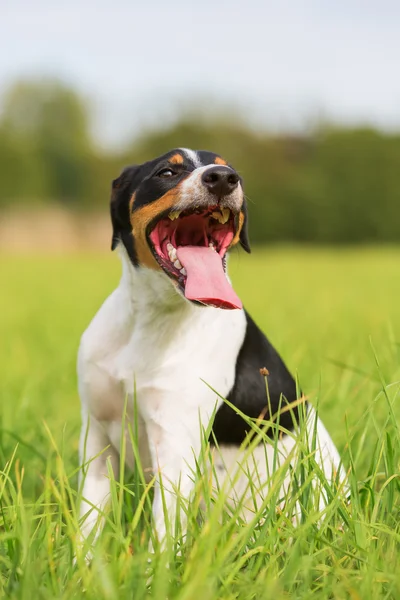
(174, 331)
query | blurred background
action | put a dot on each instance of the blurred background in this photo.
(302, 98)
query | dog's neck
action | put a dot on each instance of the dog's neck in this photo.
(149, 289)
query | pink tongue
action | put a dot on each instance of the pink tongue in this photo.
(206, 280)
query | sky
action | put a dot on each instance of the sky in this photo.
(139, 64)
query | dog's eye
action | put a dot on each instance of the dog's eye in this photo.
(166, 173)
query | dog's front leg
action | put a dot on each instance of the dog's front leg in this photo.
(174, 447)
(95, 452)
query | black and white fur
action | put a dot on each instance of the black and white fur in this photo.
(147, 337)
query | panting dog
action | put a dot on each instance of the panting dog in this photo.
(174, 333)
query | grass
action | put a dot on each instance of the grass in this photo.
(334, 317)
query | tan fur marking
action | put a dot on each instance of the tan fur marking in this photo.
(220, 161)
(176, 159)
(239, 229)
(141, 218)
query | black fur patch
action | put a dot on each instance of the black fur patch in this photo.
(249, 392)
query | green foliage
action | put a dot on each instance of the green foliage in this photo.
(331, 185)
(45, 143)
(333, 315)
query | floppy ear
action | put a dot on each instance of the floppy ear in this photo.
(244, 235)
(122, 189)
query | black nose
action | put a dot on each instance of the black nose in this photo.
(220, 180)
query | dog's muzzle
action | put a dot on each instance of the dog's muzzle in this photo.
(191, 240)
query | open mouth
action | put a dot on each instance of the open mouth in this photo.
(190, 246)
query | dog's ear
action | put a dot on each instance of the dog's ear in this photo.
(244, 234)
(122, 189)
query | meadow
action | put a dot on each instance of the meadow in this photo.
(334, 316)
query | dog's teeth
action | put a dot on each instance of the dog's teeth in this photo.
(225, 215)
(174, 214)
(178, 265)
(169, 247)
(172, 253)
(211, 245)
(183, 271)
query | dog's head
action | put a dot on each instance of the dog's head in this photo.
(179, 214)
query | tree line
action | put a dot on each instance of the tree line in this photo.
(332, 185)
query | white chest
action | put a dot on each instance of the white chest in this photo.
(175, 359)
(168, 362)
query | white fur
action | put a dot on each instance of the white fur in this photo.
(192, 156)
(147, 337)
(193, 192)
